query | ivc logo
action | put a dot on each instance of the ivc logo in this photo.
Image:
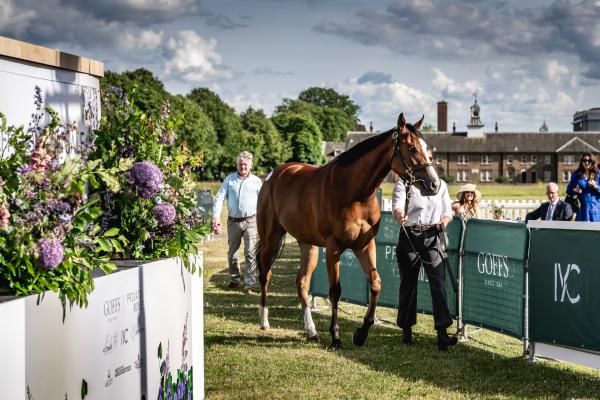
(560, 283)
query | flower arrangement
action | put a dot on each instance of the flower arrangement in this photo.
(156, 210)
(497, 211)
(49, 235)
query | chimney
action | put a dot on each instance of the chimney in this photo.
(454, 127)
(442, 117)
(371, 126)
(496, 127)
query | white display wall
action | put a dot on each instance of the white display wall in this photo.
(109, 350)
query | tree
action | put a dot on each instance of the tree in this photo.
(149, 91)
(223, 116)
(303, 134)
(274, 150)
(327, 97)
(198, 134)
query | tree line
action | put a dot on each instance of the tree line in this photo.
(211, 127)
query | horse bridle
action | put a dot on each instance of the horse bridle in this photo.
(409, 177)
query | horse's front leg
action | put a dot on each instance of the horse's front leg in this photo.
(335, 290)
(309, 256)
(367, 258)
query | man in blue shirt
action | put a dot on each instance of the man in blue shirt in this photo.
(240, 189)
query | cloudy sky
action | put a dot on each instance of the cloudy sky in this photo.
(528, 60)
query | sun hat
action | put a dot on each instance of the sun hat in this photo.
(469, 187)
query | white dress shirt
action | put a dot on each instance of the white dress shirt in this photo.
(424, 210)
(550, 211)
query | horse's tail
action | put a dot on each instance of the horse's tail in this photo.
(278, 249)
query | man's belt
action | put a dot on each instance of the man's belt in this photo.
(420, 227)
(241, 219)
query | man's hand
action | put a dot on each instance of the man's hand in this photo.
(399, 215)
(216, 225)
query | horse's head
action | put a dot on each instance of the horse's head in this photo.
(411, 157)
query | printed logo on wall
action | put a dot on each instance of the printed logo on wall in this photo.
(494, 266)
(112, 307)
(139, 362)
(123, 369)
(560, 283)
(110, 343)
(109, 379)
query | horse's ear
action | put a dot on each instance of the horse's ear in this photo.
(401, 122)
(419, 122)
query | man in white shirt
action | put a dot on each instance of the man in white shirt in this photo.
(423, 221)
(240, 189)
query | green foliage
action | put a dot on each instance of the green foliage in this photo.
(303, 135)
(223, 116)
(273, 149)
(151, 92)
(41, 200)
(198, 134)
(503, 179)
(129, 135)
(327, 97)
(447, 178)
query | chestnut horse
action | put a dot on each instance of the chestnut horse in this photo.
(335, 206)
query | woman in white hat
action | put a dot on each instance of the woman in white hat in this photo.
(467, 205)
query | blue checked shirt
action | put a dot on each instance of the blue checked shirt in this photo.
(241, 195)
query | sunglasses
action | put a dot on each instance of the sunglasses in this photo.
(586, 160)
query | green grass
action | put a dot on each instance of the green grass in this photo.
(243, 362)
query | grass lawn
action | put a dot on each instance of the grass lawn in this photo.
(243, 362)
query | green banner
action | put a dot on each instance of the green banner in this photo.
(564, 298)
(354, 282)
(493, 275)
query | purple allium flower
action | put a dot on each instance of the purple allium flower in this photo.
(164, 214)
(147, 178)
(51, 253)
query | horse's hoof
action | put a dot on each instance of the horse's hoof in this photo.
(313, 338)
(336, 344)
(360, 337)
(265, 327)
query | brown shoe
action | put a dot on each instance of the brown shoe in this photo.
(233, 285)
(250, 292)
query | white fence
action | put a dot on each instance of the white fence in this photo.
(511, 209)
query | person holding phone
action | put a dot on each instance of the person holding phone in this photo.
(584, 184)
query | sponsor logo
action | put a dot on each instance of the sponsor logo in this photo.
(109, 379)
(110, 343)
(560, 283)
(124, 336)
(493, 266)
(135, 298)
(123, 369)
(139, 363)
(112, 307)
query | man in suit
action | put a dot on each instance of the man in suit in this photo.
(552, 210)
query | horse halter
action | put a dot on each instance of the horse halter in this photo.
(409, 177)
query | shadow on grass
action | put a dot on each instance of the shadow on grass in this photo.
(469, 369)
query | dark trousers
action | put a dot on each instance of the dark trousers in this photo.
(427, 246)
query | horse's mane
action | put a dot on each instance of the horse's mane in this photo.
(361, 148)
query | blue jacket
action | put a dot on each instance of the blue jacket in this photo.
(589, 198)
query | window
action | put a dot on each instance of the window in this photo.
(463, 159)
(438, 159)
(569, 159)
(547, 176)
(485, 176)
(566, 176)
(533, 159)
(547, 159)
(462, 176)
(511, 175)
(523, 159)
(509, 159)
(486, 159)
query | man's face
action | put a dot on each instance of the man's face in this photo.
(243, 167)
(552, 193)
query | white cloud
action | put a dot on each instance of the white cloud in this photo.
(144, 41)
(190, 57)
(449, 88)
(13, 18)
(556, 71)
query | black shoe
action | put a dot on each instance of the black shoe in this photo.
(444, 341)
(407, 336)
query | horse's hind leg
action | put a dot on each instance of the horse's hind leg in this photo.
(366, 256)
(335, 291)
(308, 262)
(269, 247)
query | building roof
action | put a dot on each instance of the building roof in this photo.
(505, 142)
(329, 148)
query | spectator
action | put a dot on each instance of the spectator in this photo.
(584, 184)
(418, 245)
(467, 205)
(554, 209)
(241, 191)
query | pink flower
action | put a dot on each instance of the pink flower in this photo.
(4, 217)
